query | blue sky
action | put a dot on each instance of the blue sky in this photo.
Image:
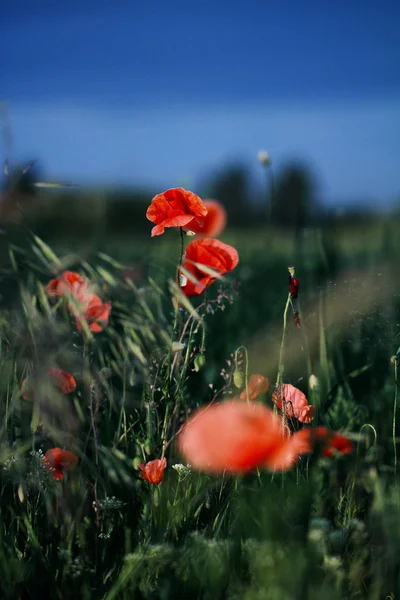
(154, 93)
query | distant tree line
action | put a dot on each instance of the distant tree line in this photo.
(287, 200)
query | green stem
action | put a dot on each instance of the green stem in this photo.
(164, 430)
(394, 423)
(246, 372)
(178, 275)
(279, 376)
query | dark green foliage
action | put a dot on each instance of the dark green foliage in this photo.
(327, 529)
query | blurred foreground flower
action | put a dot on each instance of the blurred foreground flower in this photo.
(175, 207)
(237, 437)
(95, 312)
(258, 384)
(329, 442)
(68, 282)
(153, 471)
(217, 259)
(293, 403)
(213, 223)
(59, 460)
(90, 307)
(63, 381)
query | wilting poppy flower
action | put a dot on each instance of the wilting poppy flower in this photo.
(296, 319)
(237, 437)
(293, 403)
(68, 282)
(213, 223)
(328, 441)
(293, 287)
(62, 380)
(258, 384)
(211, 253)
(175, 208)
(153, 471)
(60, 460)
(94, 312)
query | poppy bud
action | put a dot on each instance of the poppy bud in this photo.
(263, 158)
(177, 346)
(238, 379)
(313, 382)
(199, 362)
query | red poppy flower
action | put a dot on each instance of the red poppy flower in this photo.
(213, 223)
(62, 380)
(293, 403)
(258, 384)
(68, 282)
(330, 442)
(60, 460)
(27, 392)
(237, 437)
(153, 471)
(211, 253)
(94, 312)
(175, 208)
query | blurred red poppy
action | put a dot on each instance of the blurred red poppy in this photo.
(175, 207)
(329, 442)
(211, 253)
(153, 471)
(60, 460)
(68, 282)
(258, 384)
(26, 389)
(293, 403)
(94, 312)
(237, 437)
(62, 380)
(213, 223)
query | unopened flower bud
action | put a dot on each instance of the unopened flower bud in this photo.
(263, 158)
(313, 382)
(199, 362)
(394, 359)
(238, 379)
(177, 346)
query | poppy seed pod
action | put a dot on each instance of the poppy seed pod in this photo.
(238, 379)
